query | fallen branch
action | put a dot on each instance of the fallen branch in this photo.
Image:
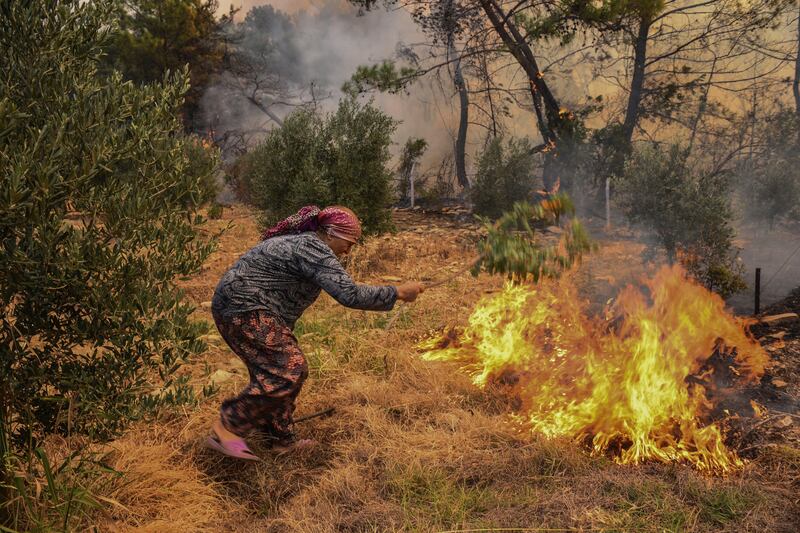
(324, 412)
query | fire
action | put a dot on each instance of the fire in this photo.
(618, 382)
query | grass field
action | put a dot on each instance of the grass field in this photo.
(412, 445)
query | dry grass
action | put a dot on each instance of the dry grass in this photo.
(413, 446)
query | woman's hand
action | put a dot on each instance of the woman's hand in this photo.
(409, 291)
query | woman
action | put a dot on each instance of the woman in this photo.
(256, 305)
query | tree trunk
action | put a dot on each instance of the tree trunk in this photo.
(493, 115)
(461, 138)
(544, 103)
(266, 110)
(796, 81)
(637, 81)
(519, 48)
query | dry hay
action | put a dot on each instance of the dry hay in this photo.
(412, 445)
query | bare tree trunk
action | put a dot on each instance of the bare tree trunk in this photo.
(266, 110)
(489, 97)
(519, 48)
(637, 80)
(544, 103)
(796, 81)
(461, 138)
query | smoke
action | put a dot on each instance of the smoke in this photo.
(776, 252)
(322, 42)
(314, 47)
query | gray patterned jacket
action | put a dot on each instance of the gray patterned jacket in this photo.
(284, 275)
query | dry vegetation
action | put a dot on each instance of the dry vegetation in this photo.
(412, 446)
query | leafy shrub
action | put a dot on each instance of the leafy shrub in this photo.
(203, 162)
(689, 213)
(340, 158)
(98, 216)
(409, 162)
(505, 176)
(511, 246)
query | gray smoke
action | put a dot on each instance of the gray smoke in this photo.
(777, 252)
(311, 52)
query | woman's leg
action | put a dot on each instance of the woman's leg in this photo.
(277, 369)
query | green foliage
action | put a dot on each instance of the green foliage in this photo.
(340, 158)
(409, 159)
(269, 42)
(203, 161)
(565, 18)
(505, 176)
(689, 213)
(40, 496)
(98, 216)
(154, 37)
(215, 211)
(511, 246)
(384, 77)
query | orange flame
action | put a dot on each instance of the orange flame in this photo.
(618, 382)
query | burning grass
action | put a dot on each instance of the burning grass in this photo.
(414, 445)
(621, 382)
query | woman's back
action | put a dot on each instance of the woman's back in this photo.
(283, 275)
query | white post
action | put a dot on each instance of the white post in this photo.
(411, 182)
(608, 203)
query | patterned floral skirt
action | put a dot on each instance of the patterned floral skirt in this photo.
(277, 370)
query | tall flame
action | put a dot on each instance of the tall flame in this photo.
(618, 381)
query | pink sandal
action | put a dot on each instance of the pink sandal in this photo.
(233, 448)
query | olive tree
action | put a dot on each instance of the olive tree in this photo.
(98, 217)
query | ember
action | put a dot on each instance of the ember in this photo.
(632, 383)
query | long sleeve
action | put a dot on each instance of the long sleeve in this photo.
(318, 264)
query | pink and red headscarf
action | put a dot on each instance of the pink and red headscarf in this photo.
(336, 221)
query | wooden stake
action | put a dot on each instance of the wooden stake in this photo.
(411, 182)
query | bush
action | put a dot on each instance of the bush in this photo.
(409, 162)
(505, 176)
(340, 158)
(98, 212)
(689, 213)
(203, 161)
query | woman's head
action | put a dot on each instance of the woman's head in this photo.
(336, 224)
(340, 222)
(341, 227)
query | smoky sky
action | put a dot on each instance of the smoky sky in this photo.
(323, 43)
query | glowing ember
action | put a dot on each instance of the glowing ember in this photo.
(618, 382)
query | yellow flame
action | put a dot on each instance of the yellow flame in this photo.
(619, 381)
